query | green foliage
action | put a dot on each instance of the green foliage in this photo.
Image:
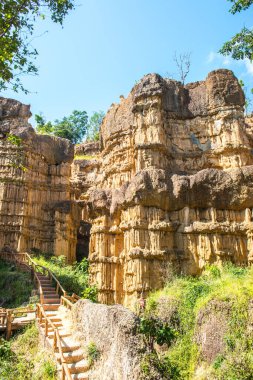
(14, 140)
(23, 359)
(154, 367)
(17, 159)
(240, 5)
(5, 349)
(17, 20)
(91, 293)
(15, 286)
(93, 126)
(157, 331)
(93, 353)
(241, 45)
(73, 127)
(73, 278)
(84, 157)
(230, 284)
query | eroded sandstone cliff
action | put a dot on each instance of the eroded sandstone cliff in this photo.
(170, 184)
(36, 204)
(174, 185)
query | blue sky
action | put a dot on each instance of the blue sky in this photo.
(107, 45)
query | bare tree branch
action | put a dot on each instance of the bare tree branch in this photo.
(183, 63)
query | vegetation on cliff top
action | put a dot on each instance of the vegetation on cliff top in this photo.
(74, 127)
(220, 300)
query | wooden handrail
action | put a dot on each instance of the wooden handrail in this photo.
(26, 258)
(66, 300)
(56, 342)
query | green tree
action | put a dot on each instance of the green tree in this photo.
(73, 127)
(241, 45)
(93, 126)
(17, 20)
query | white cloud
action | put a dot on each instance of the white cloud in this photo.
(211, 57)
(218, 59)
(226, 61)
(249, 66)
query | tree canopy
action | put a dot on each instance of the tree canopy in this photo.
(93, 126)
(241, 45)
(73, 127)
(17, 20)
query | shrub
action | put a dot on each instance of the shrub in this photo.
(15, 286)
(93, 353)
(74, 278)
(23, 359)
(191, 296)
(156, 331)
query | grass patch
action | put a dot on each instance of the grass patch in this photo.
(23, 359)
(191, 296)
(15, 286)
(85, 157)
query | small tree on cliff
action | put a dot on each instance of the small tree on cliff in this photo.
(183, 64)
(73, 127)
(17, 20)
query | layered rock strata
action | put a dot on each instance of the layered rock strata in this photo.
(170, 185)
(114, 332)
(173, 186)
(37, 209)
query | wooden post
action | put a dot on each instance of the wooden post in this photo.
(8, 325)
(55, 341)
(63, 373)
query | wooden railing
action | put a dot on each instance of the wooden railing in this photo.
(69, 301)
(3, 317)
(57, 343)
(26, 260)
(7, 317)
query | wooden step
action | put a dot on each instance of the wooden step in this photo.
(55, 301)
(43, 282)
(81, 376)
(62, 333)
(72, 356)
(51, 295)
(51, 307)
(49, 288)
(69, 344)
(56, 324)
(52, 291)
(41, 277)
(79, 367)
(51, 314)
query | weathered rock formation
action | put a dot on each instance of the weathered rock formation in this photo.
(114, 331)
(36, 205)
(174, 185)
(171, 184)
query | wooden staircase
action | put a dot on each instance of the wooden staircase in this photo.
(53, 324)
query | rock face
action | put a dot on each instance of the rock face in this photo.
(36, 203)
(174, 185)
(114, 330)
(171, 184)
